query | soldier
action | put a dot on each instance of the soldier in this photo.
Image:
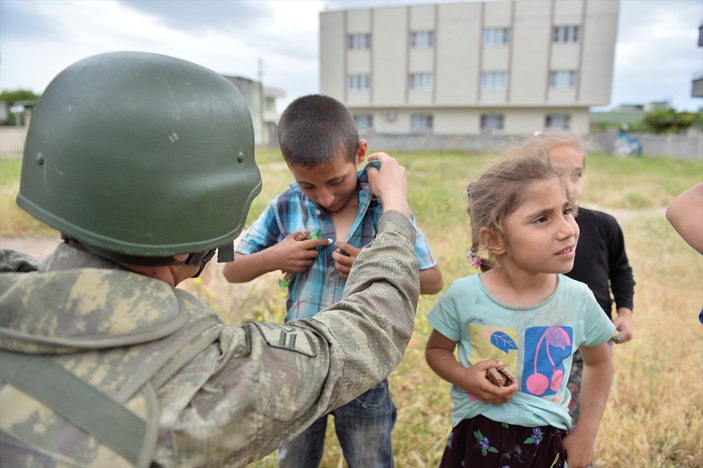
(145, 163)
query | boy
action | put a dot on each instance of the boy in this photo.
(320, 143)
(601, 260)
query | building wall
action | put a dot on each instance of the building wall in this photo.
(458, 56)
(261, 102)
(451, 121)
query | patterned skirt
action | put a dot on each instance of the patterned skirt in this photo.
(482, 442)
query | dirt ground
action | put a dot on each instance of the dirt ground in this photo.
(38, 247)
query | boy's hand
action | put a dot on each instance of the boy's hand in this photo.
(623, 322)
(389, 183)
(476, 383)
(296, 255)
(343, 257)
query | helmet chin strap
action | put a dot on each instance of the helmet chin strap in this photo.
(193, 258)
(225, 253)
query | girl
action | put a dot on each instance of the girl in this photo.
(522, 313)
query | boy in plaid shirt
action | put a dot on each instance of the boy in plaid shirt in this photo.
(313, 231)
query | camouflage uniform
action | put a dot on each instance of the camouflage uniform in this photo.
(203, 393)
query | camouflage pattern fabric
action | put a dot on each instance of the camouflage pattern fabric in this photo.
(208, 394)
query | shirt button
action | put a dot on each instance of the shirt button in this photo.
(318, 212)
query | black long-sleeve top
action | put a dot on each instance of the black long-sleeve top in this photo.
(601, 261)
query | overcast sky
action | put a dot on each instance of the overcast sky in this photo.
(656, 54)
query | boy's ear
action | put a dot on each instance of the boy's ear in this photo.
(361, 151)
(493, 240)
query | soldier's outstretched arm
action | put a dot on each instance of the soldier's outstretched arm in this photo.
(274, 380)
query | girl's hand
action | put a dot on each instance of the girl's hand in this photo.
(296, 255)
(477, 385)
(439, 354)
(580, 450)
(344, 257)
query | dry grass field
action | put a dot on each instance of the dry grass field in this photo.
(654, 417)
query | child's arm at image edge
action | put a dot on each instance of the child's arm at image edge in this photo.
(684, 214)
(595, 387)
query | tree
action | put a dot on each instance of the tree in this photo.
(671, 121)
(10, 98)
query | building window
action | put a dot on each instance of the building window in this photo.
(359, 82)
(421, 81)
(363, 121)
(270, 104)
(558, 121)
(492, 122)
(421, 122)
(495, 36)
(565, 34)
(494, 80)
(562, 79)
(421, 39)
(359, 41)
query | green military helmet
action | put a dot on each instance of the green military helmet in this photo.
(141, 154)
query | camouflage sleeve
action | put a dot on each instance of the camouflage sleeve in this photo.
(273, 380)
(14, 261)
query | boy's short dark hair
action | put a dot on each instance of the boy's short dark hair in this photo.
(314, 129)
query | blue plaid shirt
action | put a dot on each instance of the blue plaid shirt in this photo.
(321, 285)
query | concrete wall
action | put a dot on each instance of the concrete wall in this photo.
(687, 147)
(683, 147)
(12, 141)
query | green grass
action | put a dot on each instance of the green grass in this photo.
(655, 412)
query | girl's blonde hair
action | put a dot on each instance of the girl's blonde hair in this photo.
(543, 142)
(499, 191)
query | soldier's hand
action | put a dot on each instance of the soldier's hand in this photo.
(389, 183)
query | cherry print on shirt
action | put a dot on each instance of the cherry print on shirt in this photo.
(546, 348)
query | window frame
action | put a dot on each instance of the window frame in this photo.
(358, 82)
(485, 119)
(363, 118)
(422, 39)
(358, 41)
(565, 120)
(557, 79)
(494, 80)
(496, 37)
(566, 34)
(421, 81)
(427, 122)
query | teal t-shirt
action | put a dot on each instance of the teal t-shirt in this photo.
(536, 343)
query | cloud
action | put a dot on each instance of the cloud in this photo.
(206, 15)
(657, 52)
(656, 55)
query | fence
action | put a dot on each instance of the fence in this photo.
(688, 147)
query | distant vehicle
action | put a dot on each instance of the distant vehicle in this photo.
(627, 145)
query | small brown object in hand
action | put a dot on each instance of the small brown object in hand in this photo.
(500, 376)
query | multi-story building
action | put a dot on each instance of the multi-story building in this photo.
(261, 101)
(697, 83)
(503, 67)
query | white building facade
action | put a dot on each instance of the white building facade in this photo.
(498, 67)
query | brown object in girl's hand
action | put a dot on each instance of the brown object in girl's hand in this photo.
(500, 376)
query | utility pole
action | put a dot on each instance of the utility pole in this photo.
(262, 100)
